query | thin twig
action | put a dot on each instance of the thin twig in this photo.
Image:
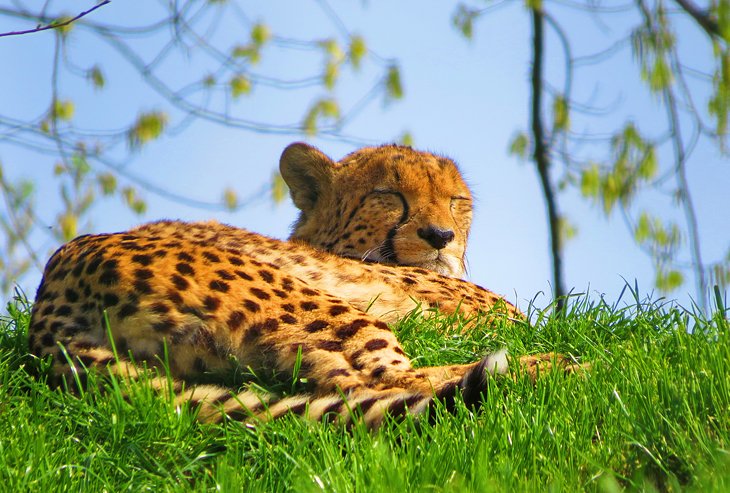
(680, 160)
(56, 24)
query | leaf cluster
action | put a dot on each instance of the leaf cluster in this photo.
(93, 163)
(612, 171)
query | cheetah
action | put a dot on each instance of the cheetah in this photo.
(381, 233)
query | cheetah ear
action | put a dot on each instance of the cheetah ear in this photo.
(307, 171)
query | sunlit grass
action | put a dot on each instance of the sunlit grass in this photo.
(652, 413)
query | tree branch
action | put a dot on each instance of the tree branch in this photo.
(703, 18)
(541, 158)
(55, 25)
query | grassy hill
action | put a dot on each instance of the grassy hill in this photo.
(653, 413)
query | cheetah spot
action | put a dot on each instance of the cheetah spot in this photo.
(184, 269)
(375, 344)
(218, 285)
(316, 326)
(180, 282)
(235, 320)
(331, 346)
(142, 259)
(251, 306)
(260, 294)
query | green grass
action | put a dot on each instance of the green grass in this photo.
(652, 414)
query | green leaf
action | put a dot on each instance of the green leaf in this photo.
(26, 189)
(135, 203)
(463, 20)
(357, 50)
(107, 183)
(331, 72)
(326, 107)
(722, 14)
(590, 181)
(660, 236)
(406, 139)
(648, 166)
(519, 145)
(240, 85)
(129, 195)
(63, 109)
(669, 281)
(96, 77)
(719, 103)
(660, 76)
(69, 226)
(63, 30)
(149, 126)
(139, 206)
(333, 50)
(642, 231)
(279, 188)
(250, 51)
(330, 108)
(230, 199)
(566, 230)
(631, 135)
(260, 34)
(393, 84)
(675, 236)
(309, 124)
(80, 165)
(610, 190)
(561, 118)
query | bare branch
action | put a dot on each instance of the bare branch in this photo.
(703, 18)
(55, 25)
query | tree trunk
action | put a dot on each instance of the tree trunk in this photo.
(542, 158)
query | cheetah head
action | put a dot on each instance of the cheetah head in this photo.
(389, 204)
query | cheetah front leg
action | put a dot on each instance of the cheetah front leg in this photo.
(414, 393)
(390, 292)
(355, 367)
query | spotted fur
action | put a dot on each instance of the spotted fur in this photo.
(212, 297)
(388, 204)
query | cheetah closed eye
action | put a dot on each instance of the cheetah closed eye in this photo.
(380, 232)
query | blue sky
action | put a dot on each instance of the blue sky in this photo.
(464, 99)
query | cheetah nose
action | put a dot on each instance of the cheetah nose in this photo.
(435, 236)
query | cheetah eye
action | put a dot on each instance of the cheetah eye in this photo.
(461, 212)
(460, 202)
